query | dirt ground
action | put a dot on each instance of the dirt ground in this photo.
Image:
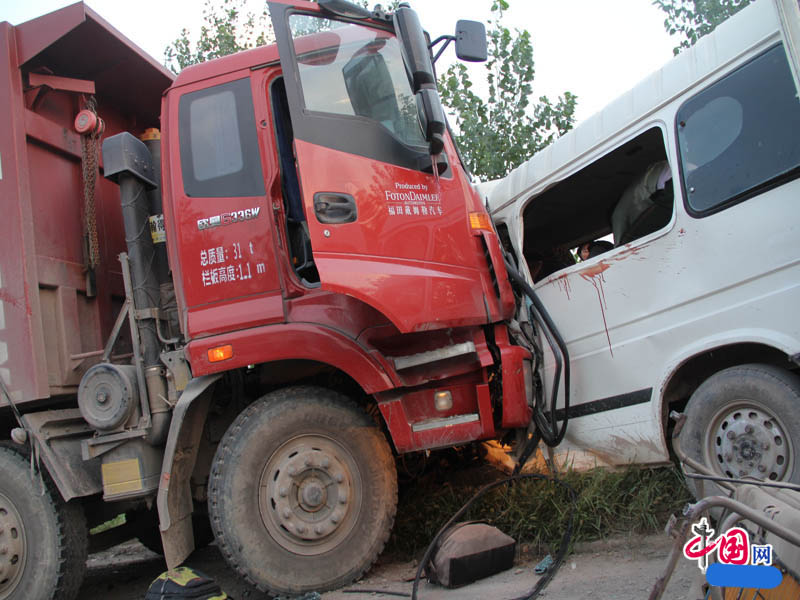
(622, 568)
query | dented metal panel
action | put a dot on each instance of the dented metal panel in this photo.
(636, 313)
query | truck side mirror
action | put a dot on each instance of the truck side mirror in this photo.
(471, 41)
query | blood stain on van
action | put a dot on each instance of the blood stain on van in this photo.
(564, 284)
(594, 275)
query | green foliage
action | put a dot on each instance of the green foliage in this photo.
(226, 30)
(632, 500)
(500, 131)
(692, 19)
(495, 133)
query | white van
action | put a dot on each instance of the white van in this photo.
(692, 179)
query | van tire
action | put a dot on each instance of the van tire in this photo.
(745, 422)
(47, 536)
(303, 492)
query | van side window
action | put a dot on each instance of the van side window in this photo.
(218, 142)
(739, 135)
(620, 197)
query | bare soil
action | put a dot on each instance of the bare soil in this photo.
(622, 568)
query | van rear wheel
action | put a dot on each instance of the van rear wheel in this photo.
(745, 422)
(303, 492)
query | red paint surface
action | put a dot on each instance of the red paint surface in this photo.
(41, 234)
(423, 271)
(382, 277)
(293, 342)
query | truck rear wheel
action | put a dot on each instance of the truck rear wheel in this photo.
(303, 492)
(745, 422)
(43, 541)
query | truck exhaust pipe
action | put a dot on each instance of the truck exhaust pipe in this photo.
(129, 163)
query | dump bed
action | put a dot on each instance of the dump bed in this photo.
(51, 323)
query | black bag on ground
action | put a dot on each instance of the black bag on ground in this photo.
(184, 583)
(470, 551)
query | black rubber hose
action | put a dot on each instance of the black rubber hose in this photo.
(527, 451)
(559, 348)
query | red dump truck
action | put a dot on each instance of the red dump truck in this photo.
(229, 298)
(231, 324)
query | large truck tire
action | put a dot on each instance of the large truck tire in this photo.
(745, 422)
(303, 492)
(43, 540)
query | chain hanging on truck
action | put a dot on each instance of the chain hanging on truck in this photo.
(91, 128)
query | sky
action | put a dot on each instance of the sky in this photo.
(592, 48)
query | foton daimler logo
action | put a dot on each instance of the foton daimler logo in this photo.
(228, 218)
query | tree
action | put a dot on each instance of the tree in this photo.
(495, 134)
(692, 19)
(500, 131)
(227, 29)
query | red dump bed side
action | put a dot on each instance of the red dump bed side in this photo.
(49, 67)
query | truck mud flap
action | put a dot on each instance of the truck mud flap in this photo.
(174, 493)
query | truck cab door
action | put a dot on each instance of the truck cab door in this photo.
(382, 226)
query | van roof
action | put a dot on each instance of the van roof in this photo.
(755, 25)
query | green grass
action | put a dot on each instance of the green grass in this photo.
(115, 522)
(631, 500)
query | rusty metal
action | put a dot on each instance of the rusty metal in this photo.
(89, 168)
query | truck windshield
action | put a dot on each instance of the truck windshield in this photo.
(349, 69)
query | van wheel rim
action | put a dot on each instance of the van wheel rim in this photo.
(12, 547)
(746, 440)
(309, 494)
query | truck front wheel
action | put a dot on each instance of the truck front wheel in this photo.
(303, 492)
(42, 540)
(745, 422)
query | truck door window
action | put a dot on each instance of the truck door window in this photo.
(739, 135)
(351, 70)
(218, 142)
(618, 198)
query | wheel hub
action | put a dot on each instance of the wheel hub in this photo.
(12, 546)
(308, 494)
(312, 494)
(749, 442)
